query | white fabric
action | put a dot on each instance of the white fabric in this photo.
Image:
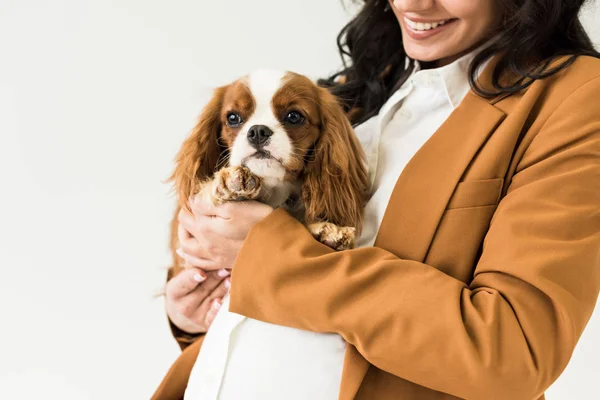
(242, 358)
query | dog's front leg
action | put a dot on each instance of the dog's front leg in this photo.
(231, 184)
(337, 237)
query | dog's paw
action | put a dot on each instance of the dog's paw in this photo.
(337, 237)
(234, 184)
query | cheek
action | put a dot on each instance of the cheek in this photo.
(228, 135)
(477, 17)
(303, 141)
(280, 145)
(292, 145)
(467, 9)
(238, 146)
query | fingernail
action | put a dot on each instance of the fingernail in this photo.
(223, 273)
(216, 305)
(198, 277)
(179, 252)
(227, 283)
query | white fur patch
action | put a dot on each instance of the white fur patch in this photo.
(266, 168)
(263, 85)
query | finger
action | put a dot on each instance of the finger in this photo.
(195, 251)
(200, 253)
(185, 282)
(221, 290)
(197, 297)
(215, 306)
(183, 234)
(241, 208)
(201, 207)
(197, 262)
(186, 220)
(213, 228)
(213, 302)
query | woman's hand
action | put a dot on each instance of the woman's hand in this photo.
(193, 298)
(212, 236)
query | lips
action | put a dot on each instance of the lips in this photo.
(424, 29)
(425, 26)
(262, 155)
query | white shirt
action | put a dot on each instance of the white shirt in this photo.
(242, 358)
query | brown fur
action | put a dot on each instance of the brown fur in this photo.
(201, 151)
(336, 182)
(337, 237)
(196, 161)
(327, 156)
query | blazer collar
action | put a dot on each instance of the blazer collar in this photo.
(427, 182)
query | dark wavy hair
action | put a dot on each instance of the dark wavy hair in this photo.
(532, 33)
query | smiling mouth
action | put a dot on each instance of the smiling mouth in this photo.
(426, 26)
(424, 30)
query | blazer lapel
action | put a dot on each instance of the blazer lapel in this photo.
(421, 195)
(427, 182)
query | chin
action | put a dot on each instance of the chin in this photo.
(423, 53)
(268, 168)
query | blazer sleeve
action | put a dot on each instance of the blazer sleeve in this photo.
(183, 338)
(506, 335)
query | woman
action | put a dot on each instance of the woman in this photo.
(478, 267)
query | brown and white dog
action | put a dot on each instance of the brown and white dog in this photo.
(278, 138)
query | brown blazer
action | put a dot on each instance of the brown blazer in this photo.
(486, 268)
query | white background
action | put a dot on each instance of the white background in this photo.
(95, 99)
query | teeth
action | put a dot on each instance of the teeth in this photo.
(424, 26)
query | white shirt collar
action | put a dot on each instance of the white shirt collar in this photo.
(454, 77)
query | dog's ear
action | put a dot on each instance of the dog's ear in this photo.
(201, 152)
(335, 182)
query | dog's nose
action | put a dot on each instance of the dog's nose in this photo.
(258, 135)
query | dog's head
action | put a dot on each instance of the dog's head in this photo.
(281, 126)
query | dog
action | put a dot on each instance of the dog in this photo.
(276, 137)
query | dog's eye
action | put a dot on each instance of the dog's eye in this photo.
(294, 118)
(234, 120)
